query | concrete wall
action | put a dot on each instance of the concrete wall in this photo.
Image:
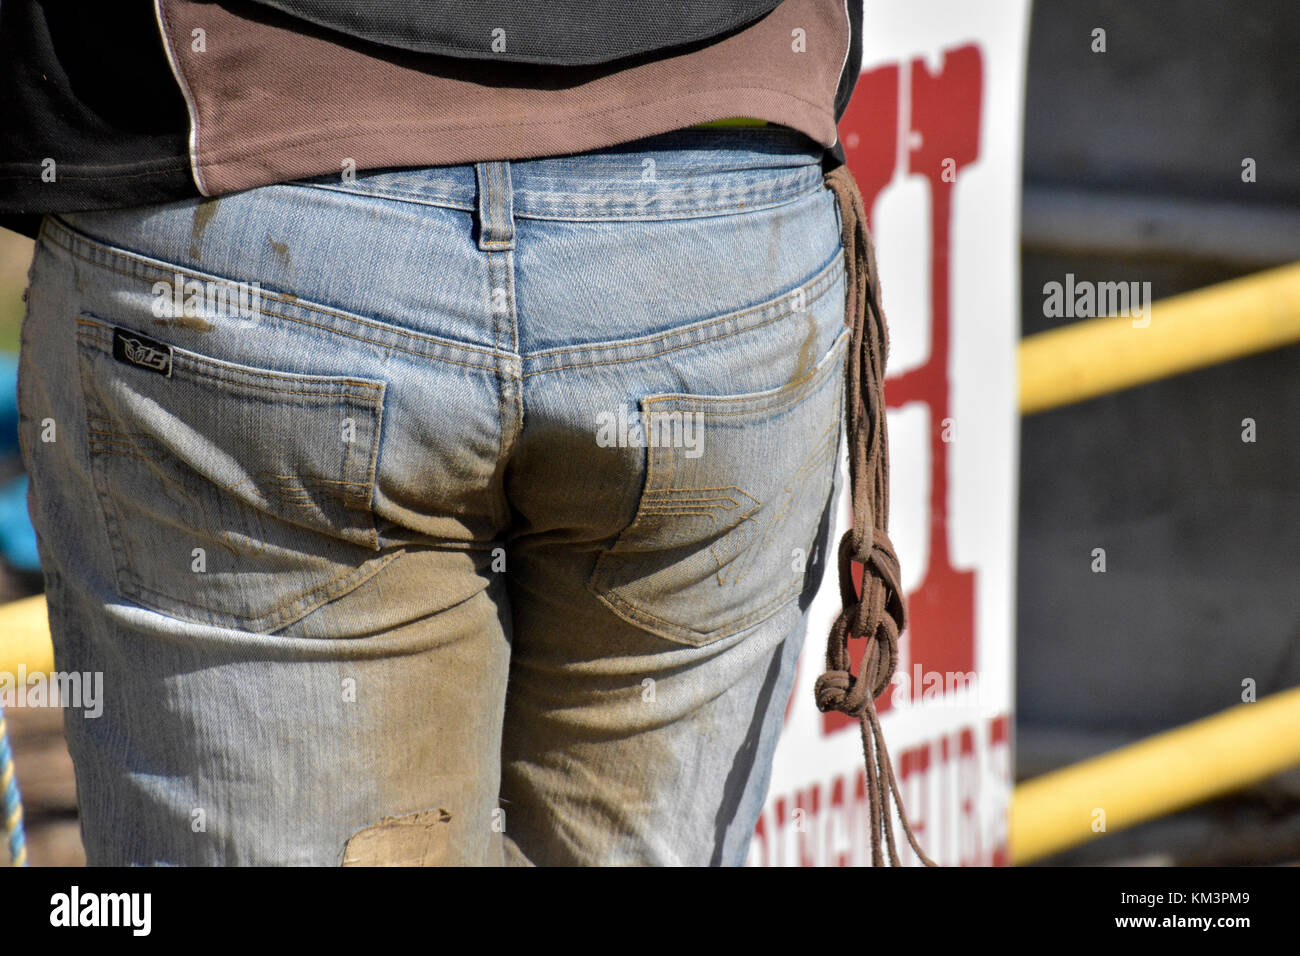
(1201, 531)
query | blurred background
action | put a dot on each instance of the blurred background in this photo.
(1132, 171)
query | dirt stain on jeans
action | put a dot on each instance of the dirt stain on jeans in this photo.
(806, 361)
(193, 323)
(281, 250)
(203, 214)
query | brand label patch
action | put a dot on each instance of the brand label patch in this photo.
(142, 352)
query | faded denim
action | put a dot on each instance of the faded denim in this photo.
(365, 578)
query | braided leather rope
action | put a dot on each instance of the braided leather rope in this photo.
(879, 614)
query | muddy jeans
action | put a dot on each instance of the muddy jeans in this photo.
(462, 515)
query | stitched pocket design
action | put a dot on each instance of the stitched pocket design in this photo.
(231, 495)
(723, 533)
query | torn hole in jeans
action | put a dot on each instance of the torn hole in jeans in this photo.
(414, 839)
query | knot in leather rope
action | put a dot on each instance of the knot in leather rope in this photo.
(879, 617)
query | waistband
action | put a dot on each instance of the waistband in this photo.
(683, 174)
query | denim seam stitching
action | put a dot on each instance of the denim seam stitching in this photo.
(775, 402)
(760, 195)
(536, 208)
(818, 285)
(435, 343)
(716, 337)
(437, 200)
(284, 613)
(197, 365)
(685, 633)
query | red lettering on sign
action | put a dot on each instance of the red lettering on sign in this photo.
(806, 830)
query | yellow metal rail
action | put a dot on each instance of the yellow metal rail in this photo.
(1159, 775)
(25, 637)
(1097, 356)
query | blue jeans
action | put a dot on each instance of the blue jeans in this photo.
(463, 515)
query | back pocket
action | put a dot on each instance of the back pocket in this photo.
(726, 524)
(232, 496)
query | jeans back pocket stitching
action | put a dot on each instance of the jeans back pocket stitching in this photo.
(119, 442)
(774, 403)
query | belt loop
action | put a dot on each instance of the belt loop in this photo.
(496, 213)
